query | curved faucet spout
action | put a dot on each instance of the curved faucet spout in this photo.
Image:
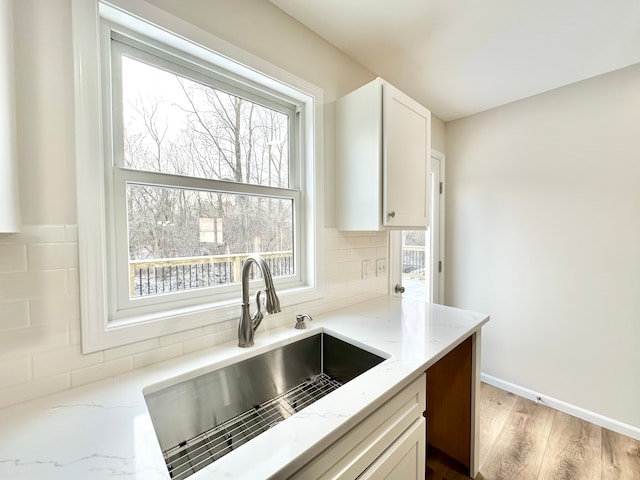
(248, 325)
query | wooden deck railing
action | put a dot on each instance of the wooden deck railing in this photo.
(150, 277)
(413, 261)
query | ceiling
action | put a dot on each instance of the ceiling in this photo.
(460, 57)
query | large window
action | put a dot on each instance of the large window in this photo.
(203, 162)
(202, 171)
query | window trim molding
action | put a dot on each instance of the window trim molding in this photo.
(98, 333)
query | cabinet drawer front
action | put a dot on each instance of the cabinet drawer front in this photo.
(355, 451)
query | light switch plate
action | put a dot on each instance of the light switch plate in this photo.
(381, 267)
(366, 269)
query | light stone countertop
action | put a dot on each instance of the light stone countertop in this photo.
(103, 430)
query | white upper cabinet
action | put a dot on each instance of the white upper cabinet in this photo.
(9, 207)
(383, 149)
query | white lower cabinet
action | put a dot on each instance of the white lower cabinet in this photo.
(389, 443)
(404, 459)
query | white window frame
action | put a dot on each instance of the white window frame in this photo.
(115, 44)
(105, 323)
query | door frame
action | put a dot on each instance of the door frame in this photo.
(437, 242)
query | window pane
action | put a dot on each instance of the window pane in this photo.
(184, 239)
(174, 125)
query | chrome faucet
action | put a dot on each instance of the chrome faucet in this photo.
(248, 324)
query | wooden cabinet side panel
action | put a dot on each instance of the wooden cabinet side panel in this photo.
(449, 403)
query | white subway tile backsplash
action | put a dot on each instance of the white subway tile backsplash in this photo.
(18, 286)
(43, 233)
(52, 256)
(181, 336)
(337, 256)
(38, 388)
(360, 242)
(14, 315)
(131, 349)
(36, 338)
(73, 281)
(75, 333)
(380, 239)
(370, 252)
(53, 362)
(157, 355)
(14, 258)
(59, 310)
(344, 268)
(337, 242)
(101, 370)
(229, 334)
(14, 371)
(71, 233)
(220, 327)
(355, 292)
(204, 341)
(9, 238)
(354, 254)
(39, 311)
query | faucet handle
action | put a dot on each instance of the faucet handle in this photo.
(257, 318)
(300, 325)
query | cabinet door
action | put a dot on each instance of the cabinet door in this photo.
(360, 448)
(406, 155)
(404, 460)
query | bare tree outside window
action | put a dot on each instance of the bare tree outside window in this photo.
(176, 126)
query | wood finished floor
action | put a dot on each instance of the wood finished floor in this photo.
(522, 440)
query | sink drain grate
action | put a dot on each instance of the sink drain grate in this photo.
(192, 455)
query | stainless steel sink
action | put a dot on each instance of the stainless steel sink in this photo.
(199, 420)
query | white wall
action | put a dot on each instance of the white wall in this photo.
(543, 233)
(438, 134)
(39, 312)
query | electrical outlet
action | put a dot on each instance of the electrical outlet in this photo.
(366, 269)
(381, 267)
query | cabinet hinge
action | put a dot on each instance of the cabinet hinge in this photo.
(441, 188)
(439, 266)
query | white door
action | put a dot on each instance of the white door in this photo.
(417, 256)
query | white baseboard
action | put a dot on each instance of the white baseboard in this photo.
(595, 418)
